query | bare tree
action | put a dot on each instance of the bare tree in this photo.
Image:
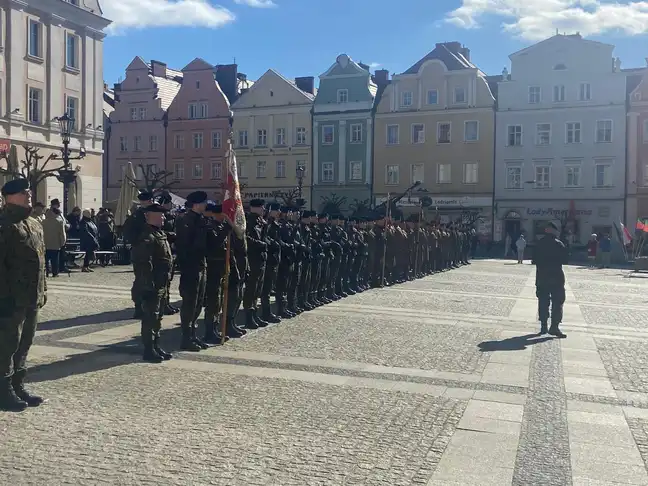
(360, 206)
(290, 198)
(34, 167)
(155, 180)
(332, 204)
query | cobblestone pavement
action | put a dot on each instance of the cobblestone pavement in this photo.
(441, 381)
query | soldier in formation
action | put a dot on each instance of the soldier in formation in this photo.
(303, 258)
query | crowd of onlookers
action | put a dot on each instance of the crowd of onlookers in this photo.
(92, 231)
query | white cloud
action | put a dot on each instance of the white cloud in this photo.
(137, 14)
(538, 19)
(256, 3)
(374, 65)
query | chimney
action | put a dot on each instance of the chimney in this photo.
(465, 52)
(381, 77)
(306, 84)
(226, 76)
(158, 68)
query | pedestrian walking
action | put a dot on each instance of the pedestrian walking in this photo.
(520, 246)
(605, 246)
(592, 249)
(55, 238)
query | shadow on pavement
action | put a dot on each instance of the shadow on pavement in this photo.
(101, 318)
(516, 343)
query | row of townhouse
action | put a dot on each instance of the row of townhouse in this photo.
(561, 134)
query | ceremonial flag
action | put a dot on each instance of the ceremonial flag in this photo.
(627, 238)
(641, 226)
(232, 202)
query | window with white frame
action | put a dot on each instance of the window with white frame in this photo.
(559, 93)
(280, 169)
(197, 140)
(433, 97)
(243, 138)
(35, 105)
(355, 171)
(471, 131)
(153, 143)
(178, 171)
(460, 95)
(261, 169)
(71, 51)
(514, 177)
(573, 174)
(242, 170)
(514, 135)
(217, 139)
(197, 171)
(604, 131)
(193, 111)
(302, 164)
(418, 133)
(342, 95)
(470, 173)
(543, 133)
(203, 110)
(406, 98)
(139, 173)
(280, 136)
(393, 134)
(142, 113)
(573, 132)
(645, 176)
(133, 113)
(535, 94)
(262, 137)
(355, 132)
(328, 135)
(137, 143)
(301, 135)
(645, 131)
(542, 176)
(444, 174)
(178, 141)
(418, 173)
(72, 110)
(392, 175)
(123, 144)
(35, 39)
(585, 92)
(327, 172)
(443, 132)
(603, 173)
(216, 171)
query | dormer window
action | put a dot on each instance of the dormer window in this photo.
(197, 84)
(560, 67)
(342, 95)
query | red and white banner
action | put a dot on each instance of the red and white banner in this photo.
(232, 202)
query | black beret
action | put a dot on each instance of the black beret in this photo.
(165, 199)
(145, 196)
(274, 206)
(285, 209)
(213, 207)
(306, 214)
(338, 216)
(197, 197)
(154, 208)
(322, 216)
(55, 202)
(15, 187)
(257, 203)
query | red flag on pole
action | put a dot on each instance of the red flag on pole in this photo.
(232, 202)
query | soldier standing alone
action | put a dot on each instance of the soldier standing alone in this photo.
(22, 292)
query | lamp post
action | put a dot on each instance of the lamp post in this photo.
(300, 179)
(67, 175)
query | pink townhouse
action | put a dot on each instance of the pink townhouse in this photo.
(137, 131)
(198, 126)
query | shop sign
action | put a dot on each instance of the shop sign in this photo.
(5, 145)
(264, 194)
(443, 202)
(557, 213)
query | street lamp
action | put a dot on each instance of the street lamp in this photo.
(300, 179)
(67, 175)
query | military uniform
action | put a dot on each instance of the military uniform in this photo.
(152, 261)
(132, 228)
(257, 254)
(22, 293)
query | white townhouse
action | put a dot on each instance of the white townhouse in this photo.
(560, 139)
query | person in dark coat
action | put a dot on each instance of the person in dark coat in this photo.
(549, 255)
(257, 253)
(89, 239)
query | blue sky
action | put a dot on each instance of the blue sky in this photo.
(303, 37)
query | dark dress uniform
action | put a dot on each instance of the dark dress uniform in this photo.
(273, 238)
(132, 228)
(549, 255)
(152, 262)
(191, 242)
(22, 293)
(257, 254)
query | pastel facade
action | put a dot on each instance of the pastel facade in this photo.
(637, 177)
(273, 135)
(435, 125)
(561, 139)
(51, 62)
(343, 132)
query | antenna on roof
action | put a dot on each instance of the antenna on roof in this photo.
(557, 33)
(234, 59)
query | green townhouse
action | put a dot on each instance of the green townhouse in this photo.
(343, 133)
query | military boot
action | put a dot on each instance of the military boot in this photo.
(150, 354)
(250, 323)
(212, 334)
(9, 401)
(233, 331)
(196, 339)
(543, 327)
(18, 384)
(187, 344)
(259, 322)
(156, 347)
(555, 331)
(266, 313)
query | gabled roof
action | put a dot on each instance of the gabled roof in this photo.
(168, 86)
(198, 64)
(562, 37)
(271, 72)
(453, 60)
(345, 66)
(137, 63)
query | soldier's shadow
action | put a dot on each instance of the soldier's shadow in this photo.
(517, 343)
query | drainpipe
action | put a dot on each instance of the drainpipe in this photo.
(165, 122)
(494, 203)
(625, 178)
(312, 154)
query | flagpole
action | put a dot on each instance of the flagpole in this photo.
(387, 215)
(225, 289)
